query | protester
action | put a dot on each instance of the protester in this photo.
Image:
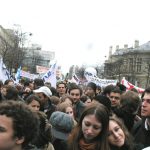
(91, 130)
(55, 100)
(129, 105)
(101, 99)
(19, 125)
(44, 94)
(62, 125)
(54, 91)
(44, 138)
(98, 90)
(48, 84)
(115, 97)
(68, 109)
(9, 82)
(141, 130)
(121, 87)
(86, 100)
(107, 90)
(91, 90)
(10, 93)
(33, 102)
(67, 99)
(76, 92)
(38, 83)
(27, 90)
(61, 89)
(29, 84)
(119, 137)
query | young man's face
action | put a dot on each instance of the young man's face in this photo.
(90, 92)
(61, 89)
(7, 139)
(115, 99)
(43, 99)
(145, 110)
(75, 94)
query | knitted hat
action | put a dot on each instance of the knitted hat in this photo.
(62, 125)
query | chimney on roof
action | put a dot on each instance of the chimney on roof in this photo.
(117, 47)
(110, 51)
(125, 46)
(136, 43)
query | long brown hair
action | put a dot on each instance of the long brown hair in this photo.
(101, 141)
(128, 138)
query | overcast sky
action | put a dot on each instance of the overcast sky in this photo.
(79, 31)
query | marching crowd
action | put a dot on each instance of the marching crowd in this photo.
(36, 116)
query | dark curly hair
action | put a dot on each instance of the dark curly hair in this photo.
(25, 121)
(44, 136)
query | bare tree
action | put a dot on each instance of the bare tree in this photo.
(12, 49)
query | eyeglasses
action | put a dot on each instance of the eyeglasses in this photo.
(146, 100)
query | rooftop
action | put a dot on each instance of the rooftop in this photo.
(144, 47)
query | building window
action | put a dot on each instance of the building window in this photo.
(139, 64)
(131, 64)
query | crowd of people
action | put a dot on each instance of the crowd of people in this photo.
(36, 116)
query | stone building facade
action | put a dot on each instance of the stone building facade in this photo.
(132, 63)
(34, 55)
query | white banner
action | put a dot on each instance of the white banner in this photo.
(100, 82)
(28, 75)
(41, 69)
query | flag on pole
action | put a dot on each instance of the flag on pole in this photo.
(50, 76)
(17, 76)
(4, 73)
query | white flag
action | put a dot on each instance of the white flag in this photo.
(50, 76)
(4, 74)
(17, 76)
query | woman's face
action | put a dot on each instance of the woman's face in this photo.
(69, 111)
(35, 105)
(116, 135)
(91, 127)
(88, 102)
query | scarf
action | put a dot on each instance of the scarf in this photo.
(87, 146)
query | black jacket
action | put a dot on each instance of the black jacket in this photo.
(140, 134)
(60, 144)
(125, 147)
(127, 118)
